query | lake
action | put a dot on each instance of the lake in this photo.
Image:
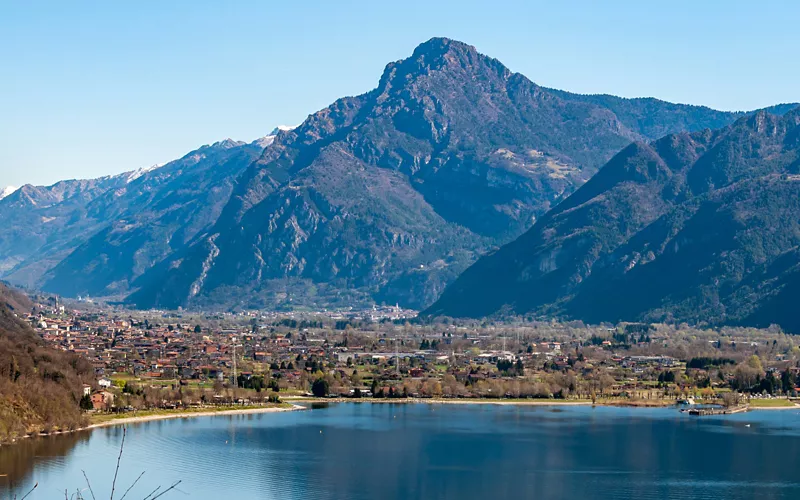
(406, 451)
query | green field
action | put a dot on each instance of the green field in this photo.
(771, 403)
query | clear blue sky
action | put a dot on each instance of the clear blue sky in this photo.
(94, 88)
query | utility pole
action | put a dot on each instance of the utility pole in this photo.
(397, 357)
(235, 380)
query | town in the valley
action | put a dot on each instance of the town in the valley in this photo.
(174, 360)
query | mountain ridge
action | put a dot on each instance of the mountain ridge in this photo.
(382, 197)
(48, 223)
(666, 231)
(484, 150)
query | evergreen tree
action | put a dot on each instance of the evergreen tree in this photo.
(86, 402)
(320, 388)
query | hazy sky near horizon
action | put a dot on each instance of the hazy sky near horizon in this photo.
(96, 88)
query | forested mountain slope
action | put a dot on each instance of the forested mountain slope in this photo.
(700, 227)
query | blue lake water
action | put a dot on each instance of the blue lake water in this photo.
(406, 451)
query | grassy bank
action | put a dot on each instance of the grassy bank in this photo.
(771, 403)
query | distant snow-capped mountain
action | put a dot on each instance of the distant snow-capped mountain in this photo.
(7, 191)
(269, 139)
(132, 176)
(282, 128)
(83, 220)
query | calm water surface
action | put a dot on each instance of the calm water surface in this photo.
(365, 451)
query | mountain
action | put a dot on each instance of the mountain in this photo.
(389, 195)
(155, 214)
(93, 237)
(40, 387)
(701, 227)
(41, 223)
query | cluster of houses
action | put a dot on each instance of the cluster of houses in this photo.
(170, 349)
(140, 349)
(184, 351)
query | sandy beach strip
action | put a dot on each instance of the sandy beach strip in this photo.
(190, 414)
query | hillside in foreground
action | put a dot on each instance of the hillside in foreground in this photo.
(40, 387)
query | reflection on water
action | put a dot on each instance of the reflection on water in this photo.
(17, 461)
(396, 451)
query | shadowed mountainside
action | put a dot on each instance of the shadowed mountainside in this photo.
(95, 237)
(700, 227)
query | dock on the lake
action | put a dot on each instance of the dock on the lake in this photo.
(704, 412)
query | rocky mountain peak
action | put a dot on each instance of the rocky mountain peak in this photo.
(439, 48)
(227, 144)
(457, 60)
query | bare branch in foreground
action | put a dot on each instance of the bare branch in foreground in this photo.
(121, 446)
(131, 487)
(167, 490)
(152, 493)
(87, 484)
(28, 493)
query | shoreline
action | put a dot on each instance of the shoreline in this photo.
(311, 400)
(189, 414)
(500, 402)
(150, 418)
(465, 401)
